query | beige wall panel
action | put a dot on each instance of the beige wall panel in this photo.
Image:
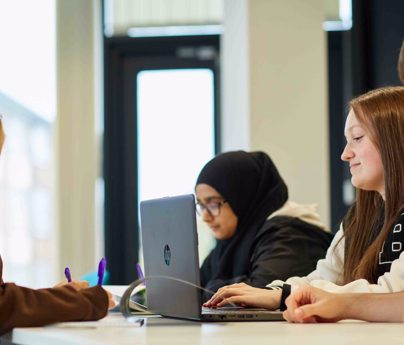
(76, 142)
(288, 94)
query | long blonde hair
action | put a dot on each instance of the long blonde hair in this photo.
(381, 112)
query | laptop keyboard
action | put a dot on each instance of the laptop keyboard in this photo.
(231, 310)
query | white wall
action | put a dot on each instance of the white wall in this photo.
(235, 78)
(275, 90)
(79, 82)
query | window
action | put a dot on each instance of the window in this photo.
(175, 133)
(161, 127)
(27, 101)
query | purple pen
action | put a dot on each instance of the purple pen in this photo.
(67, 275)
(101, 270)
(140, 273)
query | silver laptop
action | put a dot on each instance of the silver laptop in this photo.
(170, 250)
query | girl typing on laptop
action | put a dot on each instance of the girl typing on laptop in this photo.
(261, 236)
(309, 304)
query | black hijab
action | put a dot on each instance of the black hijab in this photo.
(251, 184)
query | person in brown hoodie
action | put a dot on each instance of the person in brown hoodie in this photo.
(24, 307)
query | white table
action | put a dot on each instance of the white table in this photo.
(177, 332)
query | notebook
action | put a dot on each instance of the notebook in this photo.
(170, 249)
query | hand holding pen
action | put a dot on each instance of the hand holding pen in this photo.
(78, 285)
(100, 274)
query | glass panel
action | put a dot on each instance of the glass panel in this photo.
(176, 134)
(27, 101)
(175, 129)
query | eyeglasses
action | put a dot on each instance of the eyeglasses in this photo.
(213, 208)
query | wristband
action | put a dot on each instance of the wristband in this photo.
(286, 290)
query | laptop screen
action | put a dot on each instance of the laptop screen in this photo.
(170, 250)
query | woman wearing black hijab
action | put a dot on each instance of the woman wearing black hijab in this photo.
(260, 236)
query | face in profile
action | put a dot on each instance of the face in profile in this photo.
(216, 212)
(363, 157)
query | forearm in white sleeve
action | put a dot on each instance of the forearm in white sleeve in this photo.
(392, 281)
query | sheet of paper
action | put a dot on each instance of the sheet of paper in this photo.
(119, 290)
(109, 321)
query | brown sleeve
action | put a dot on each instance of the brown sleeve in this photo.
(23, 307)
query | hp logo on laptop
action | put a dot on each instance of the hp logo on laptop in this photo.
(167, 254)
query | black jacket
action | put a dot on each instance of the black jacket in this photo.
(283, 247)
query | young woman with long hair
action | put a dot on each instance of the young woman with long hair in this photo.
(366, 253)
